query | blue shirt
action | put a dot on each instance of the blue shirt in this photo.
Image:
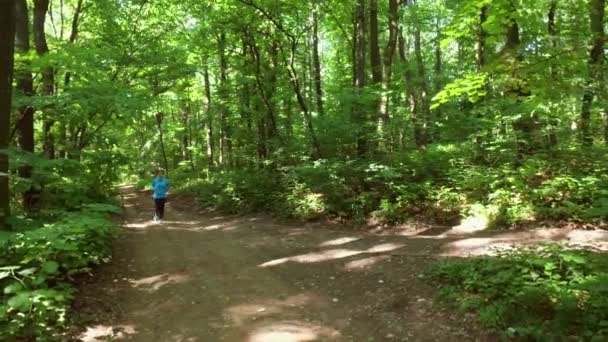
(160, 186)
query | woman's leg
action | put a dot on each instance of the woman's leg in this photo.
(157, 209)
(162, 208)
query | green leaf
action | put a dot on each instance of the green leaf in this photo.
(28, 271)
(20, 301)
(13, 288)
(50, 267)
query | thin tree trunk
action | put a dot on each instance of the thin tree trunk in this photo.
(596, 57)
(73, 36)
(25, 114)
(360, 112)
(389, 53)
(266, 84)
(410, 93)
(48, 75)
(7, 46)
(375, 61)
(424, 90)
(159, 124)
(209, 108)
(438, 74)
(553, 36)
(316, 59)
(482, 37)
(224, 135)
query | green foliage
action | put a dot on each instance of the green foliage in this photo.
(37, 264)
(538, 293)
(442, 184)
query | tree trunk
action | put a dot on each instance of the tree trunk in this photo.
(526, 126)
(596, 60)
(48, 76)
(425, 121)
(389, 54)
(360, 77)
(7, 46)
(410, 92)
(73, 36)
(438, 74)
(375, 60)
(316, 60)
(159, 125)
(209, 110)
(224, 138)
(25, 114)
(266, 85)
(482, 38)
(552, 30)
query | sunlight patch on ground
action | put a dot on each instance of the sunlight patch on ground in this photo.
(365, 263)
(595, 239)
(240, 314)
(182, 338)
(154, 283)
(100, 333)
(186, 223)
(385, 247)
(332, 254)
(292, 331)
(340, 241)
(140, 225)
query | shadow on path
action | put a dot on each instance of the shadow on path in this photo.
(208, 278)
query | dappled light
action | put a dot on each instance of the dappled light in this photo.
(288, 170)
(339, 241)
(385, 247)
(141, 225)
(155, 283)
(101, 333)
(488, 245)
(241, 314)
(365, 263)
(292, 331)
(332, 254)
(182, 338)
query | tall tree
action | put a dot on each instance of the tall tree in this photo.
(360, 79)
(7, 46)
(209, 117)
(41, 8)
(25, 85)
(425, 121)
(389, 55)
(482, 36)
(316, 61)
(595, 80)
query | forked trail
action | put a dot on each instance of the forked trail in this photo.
(207, 278)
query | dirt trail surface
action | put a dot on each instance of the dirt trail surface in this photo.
(199, 277)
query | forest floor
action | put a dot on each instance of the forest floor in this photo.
(202, 277)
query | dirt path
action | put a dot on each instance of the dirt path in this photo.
(203, 278)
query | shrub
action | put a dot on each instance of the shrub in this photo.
(540, 293)
(37, 264)
(441, 184)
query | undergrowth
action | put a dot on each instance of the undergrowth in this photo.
(542, 293)
(36, 266)
(442, 184)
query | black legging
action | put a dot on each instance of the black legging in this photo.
(160, 207)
